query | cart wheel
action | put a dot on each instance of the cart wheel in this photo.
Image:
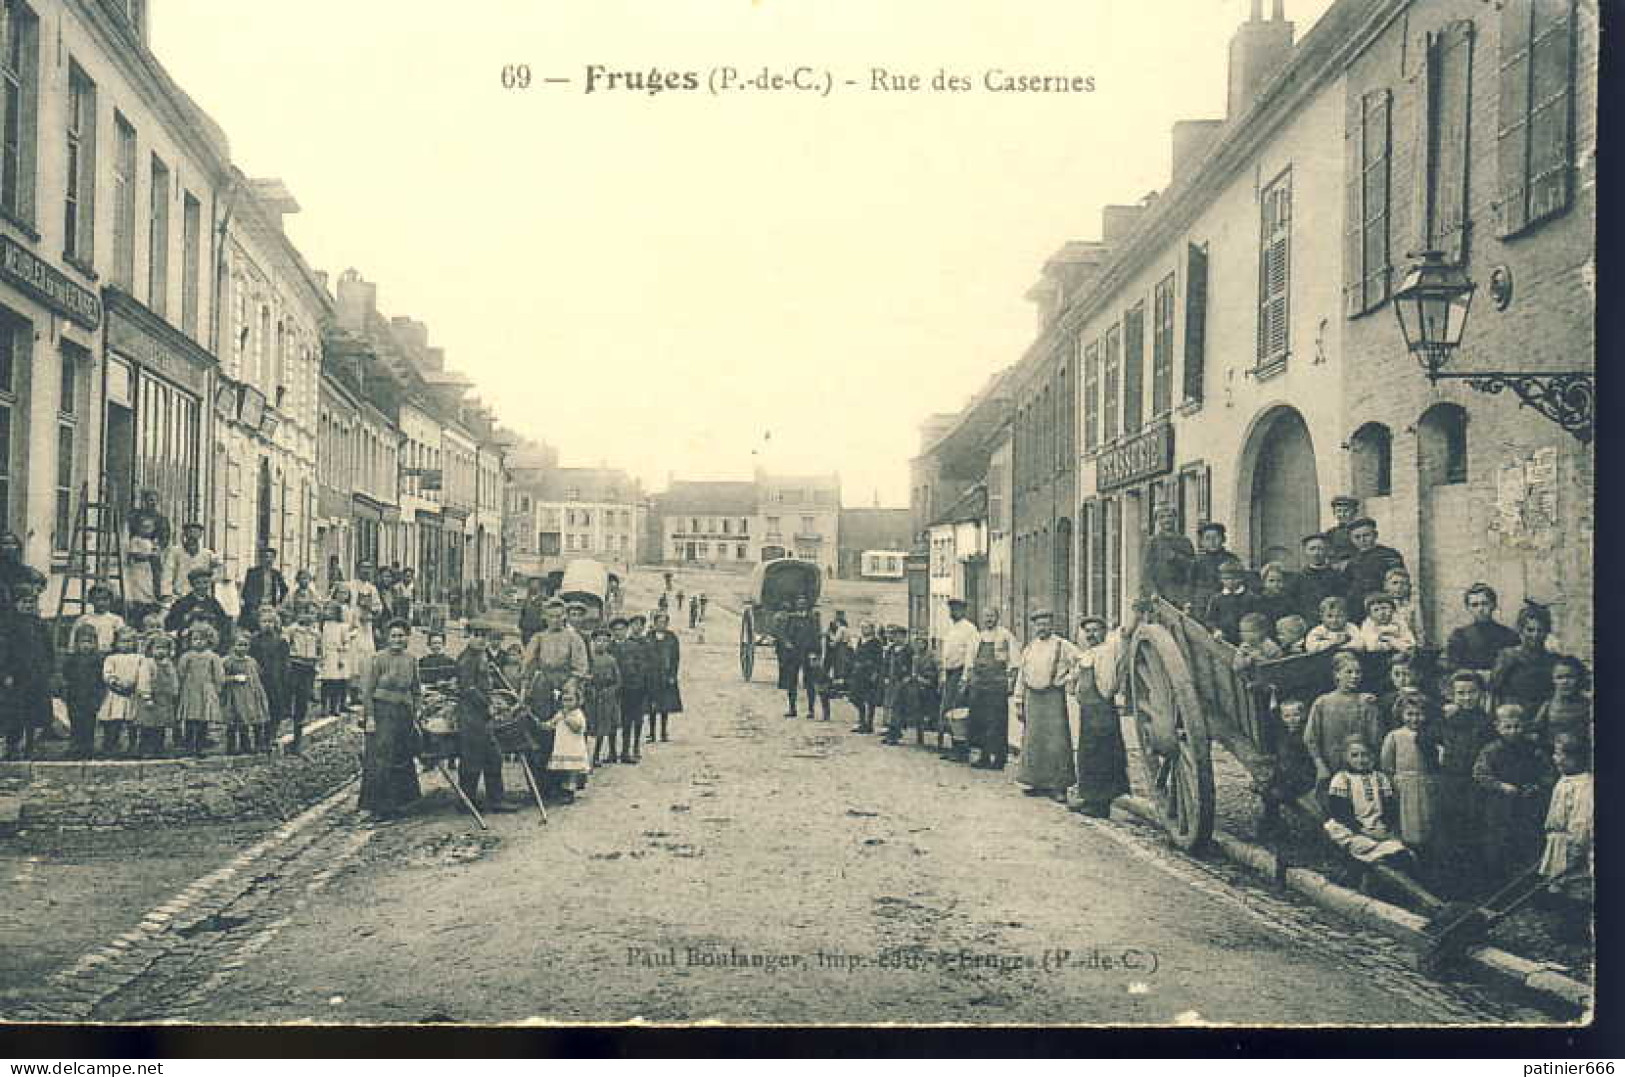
(1175, 753)
(747, 643)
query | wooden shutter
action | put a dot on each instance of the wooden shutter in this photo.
(1133, 368)
(1512, 124)
(1162, 346)
(1376, 139)
(1274, 270)
(1551, 109)
(1451, 113)
(1091, 396)
(1353, 206)
(1111, 376)
(1195, 321)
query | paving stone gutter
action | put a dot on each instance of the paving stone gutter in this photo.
(1542, 980)
(113, 794)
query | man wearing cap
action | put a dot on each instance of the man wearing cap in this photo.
(1102, 759)
(201, 605)
(992, 671)
(180, 561)
(1318, 580)
(1169, 558)
(263, 585)
(478, 755)
(959, 644)
(1205, 582)
(1046, 668)
(633, 660)
(1345, 508)
(798, 641)
(1370, 562)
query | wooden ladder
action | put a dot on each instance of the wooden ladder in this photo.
(96, 556)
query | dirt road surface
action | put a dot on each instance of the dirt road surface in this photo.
(760, 869)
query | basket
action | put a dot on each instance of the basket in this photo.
(513, 731)
(439, 714)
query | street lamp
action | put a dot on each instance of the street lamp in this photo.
(1431, 305)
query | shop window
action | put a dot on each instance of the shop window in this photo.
(1441, 445)
(1371, 458)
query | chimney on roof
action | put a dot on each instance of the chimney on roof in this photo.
(414, 335)
(1191, 141)
(1257, 51)
(357, 301)
(1066, 273)
(273, 198)
(434, 358)
(1117, 223)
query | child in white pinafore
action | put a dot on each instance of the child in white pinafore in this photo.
(119, 673)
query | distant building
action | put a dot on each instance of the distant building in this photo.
(570, 513)
(872, 530)
(800, 517)
(708, 522)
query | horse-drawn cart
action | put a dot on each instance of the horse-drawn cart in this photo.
(775, 587)
(1187, 691)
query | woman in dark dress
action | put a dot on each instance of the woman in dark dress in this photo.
(1523, 674)
(1477, 645)
(665, 697)
(27, 669)
(15, 575)
(390, 695)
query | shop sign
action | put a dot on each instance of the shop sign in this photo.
(20, 266)
(1143, 457)
(133, 342)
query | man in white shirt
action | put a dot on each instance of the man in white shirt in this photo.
(991, 675)
(182, 559)
(1042, 676)
(1102, 759)
(959, 645)
(363, 585)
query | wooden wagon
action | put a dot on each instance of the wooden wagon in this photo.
(775, 587)
(1186, 693)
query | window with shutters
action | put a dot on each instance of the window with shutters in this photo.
(124, 205)
(1134, 368)
(19, 93)
(1367, 274)
(1445, 82)
(1274, 270)
(158, 244)
(1111, 379)
(1066, 431)
(1195, 321)
(79, 182)
(1091, 396)
(1535, 126)
(1162, 346)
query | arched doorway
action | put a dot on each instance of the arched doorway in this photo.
(1280, 485)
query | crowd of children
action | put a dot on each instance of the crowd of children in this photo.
(181, 678)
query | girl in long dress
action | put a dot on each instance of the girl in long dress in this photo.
(120, 671)
(202, 675)
(1410, 759)
(390, 695)
(243, 699)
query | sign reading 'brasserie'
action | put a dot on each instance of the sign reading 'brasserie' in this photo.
(21, 267)
(1149, 454)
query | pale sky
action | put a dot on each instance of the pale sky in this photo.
(655, 282)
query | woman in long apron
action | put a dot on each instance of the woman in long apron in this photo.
(390, 695)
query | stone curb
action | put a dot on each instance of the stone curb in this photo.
(1541, 979)
(114, 770)
(73, 991)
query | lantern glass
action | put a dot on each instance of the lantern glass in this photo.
(1431, 305)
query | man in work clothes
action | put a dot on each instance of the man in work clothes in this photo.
(799, 641)
(263, 585)
(478, 755)
(530, 612)
(1042, 676)
(1345, 508)
(959, 646)
(632, 658)
(1168, 561)
(179, 561)
(1370, 562)
(1318, 580)
(991, 676)
(1205, 582)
